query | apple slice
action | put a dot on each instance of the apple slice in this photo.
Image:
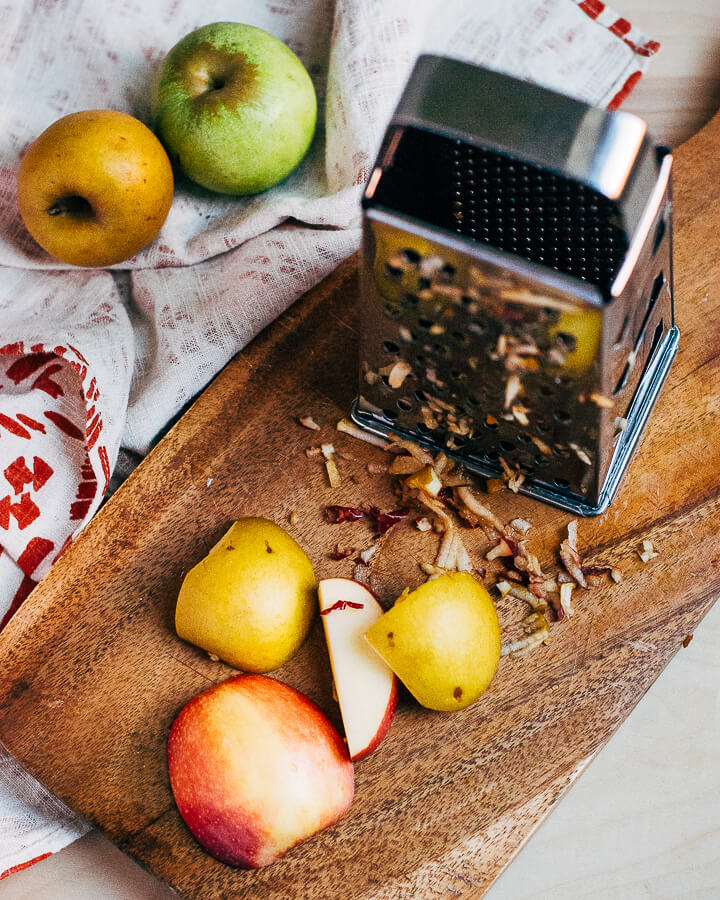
(365, 685)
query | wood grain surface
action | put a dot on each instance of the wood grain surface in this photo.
(91, 674)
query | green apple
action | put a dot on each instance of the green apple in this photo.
(235, 108)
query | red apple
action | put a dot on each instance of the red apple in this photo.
(256, 768)
(366, 687)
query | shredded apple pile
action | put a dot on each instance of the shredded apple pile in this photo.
(447, 502)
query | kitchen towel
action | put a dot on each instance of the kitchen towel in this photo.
(95, 363)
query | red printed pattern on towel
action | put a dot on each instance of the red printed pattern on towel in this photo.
(621, 28)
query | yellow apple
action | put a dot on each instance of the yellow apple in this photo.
(95, 188)
(251, 600)
(442, 640)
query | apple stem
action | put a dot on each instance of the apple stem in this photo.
(73, 205)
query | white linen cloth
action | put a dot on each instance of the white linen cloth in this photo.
(93, 363)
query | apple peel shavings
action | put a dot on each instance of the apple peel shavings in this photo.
(382, 521)
(335, 514)
(342, 552)
(341, 604)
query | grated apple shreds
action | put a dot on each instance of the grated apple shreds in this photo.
(414, 450)
(366, 555)
(395, 373)
(537, 631)
(521, 525)
(328, 451)
(405, 465)
(348, 427)
(466, 496)
(309, 422)
(526, 581)
(648, 552)
(570, 557)
(566, 598)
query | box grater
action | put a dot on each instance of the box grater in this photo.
(516, 282)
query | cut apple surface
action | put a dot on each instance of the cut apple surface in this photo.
(366, 687)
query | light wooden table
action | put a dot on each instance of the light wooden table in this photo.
(644, 820)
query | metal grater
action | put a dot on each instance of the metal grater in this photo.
(516, 283)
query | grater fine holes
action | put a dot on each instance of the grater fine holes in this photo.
(561, 482)
(390, 414)
(405, 404)
(390, 347)
(514, 207)
(507, 446)
(560, 415)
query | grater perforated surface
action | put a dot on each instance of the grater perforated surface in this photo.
(509, 204)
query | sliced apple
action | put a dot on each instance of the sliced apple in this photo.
(366, 687)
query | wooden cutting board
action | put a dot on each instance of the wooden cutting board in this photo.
(91, 674)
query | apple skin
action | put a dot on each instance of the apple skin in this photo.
(383, 727)
(354, 663)
(255, 768)
(95, 188)
(235, 108)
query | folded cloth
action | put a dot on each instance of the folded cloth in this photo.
(93, 364)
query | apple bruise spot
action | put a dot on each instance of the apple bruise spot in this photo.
(73, 206)
(268, 548)
(390, 636)
(215, 78)
(457, 693)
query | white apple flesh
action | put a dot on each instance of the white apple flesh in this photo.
(365, 685)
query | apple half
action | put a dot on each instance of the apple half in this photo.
(366, 687)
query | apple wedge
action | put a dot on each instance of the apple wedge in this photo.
(366, 687)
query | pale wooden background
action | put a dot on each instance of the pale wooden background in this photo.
(644, 821)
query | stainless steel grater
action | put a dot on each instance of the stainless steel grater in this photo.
(516, 282)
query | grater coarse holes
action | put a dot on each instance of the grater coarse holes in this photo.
(516, 282)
